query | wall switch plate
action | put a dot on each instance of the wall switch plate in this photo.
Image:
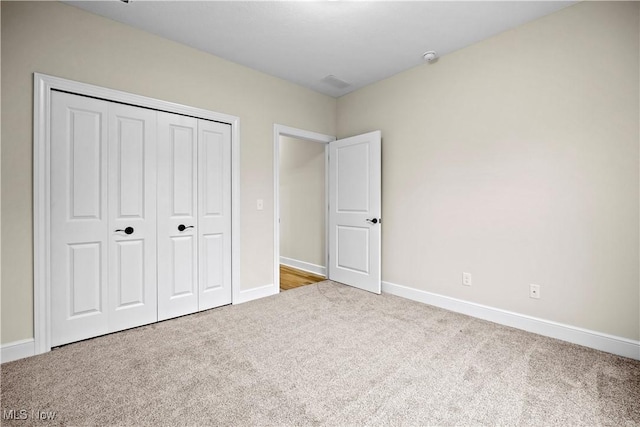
(466, 279)
(534, 291)
(260, 204)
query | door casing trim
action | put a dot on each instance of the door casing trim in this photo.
(42, 86)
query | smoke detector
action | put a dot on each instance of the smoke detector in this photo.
(430, 56)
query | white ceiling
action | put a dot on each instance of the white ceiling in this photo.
(360, 42)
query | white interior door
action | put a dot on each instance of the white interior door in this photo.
(79, 218)
(354, 211)
(132, 217)
(214, 214)
(177, 215)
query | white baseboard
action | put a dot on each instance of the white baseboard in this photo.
(305, 266)
(17, 350)
(597, 340)
(256, 293)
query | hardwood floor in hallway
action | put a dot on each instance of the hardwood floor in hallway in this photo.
(291, 278)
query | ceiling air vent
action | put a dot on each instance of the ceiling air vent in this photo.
(335, 82)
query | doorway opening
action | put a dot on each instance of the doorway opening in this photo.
(300, 189)
(302, 212)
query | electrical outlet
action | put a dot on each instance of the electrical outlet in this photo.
(534, 291)
(260, 204)
(466, 279)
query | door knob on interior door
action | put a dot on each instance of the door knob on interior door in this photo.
(128, 230)
(372, 221)
(183, 227)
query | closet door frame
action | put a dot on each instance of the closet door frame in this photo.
(43, 86)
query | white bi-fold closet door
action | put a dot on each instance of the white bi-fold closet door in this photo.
(140, 216)
(194, 212)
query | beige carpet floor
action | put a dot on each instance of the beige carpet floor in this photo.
(325, 354)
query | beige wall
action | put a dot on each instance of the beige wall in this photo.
(63, 41)
(516, 159)
(302, 200)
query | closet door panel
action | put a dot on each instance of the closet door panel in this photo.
(177, 215)
(129, 263)
(214, 203)
(183, 280)
(132, 216)
(78, 218)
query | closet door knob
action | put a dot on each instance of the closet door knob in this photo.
(128, 230)
(372, 221)
(183, 227)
